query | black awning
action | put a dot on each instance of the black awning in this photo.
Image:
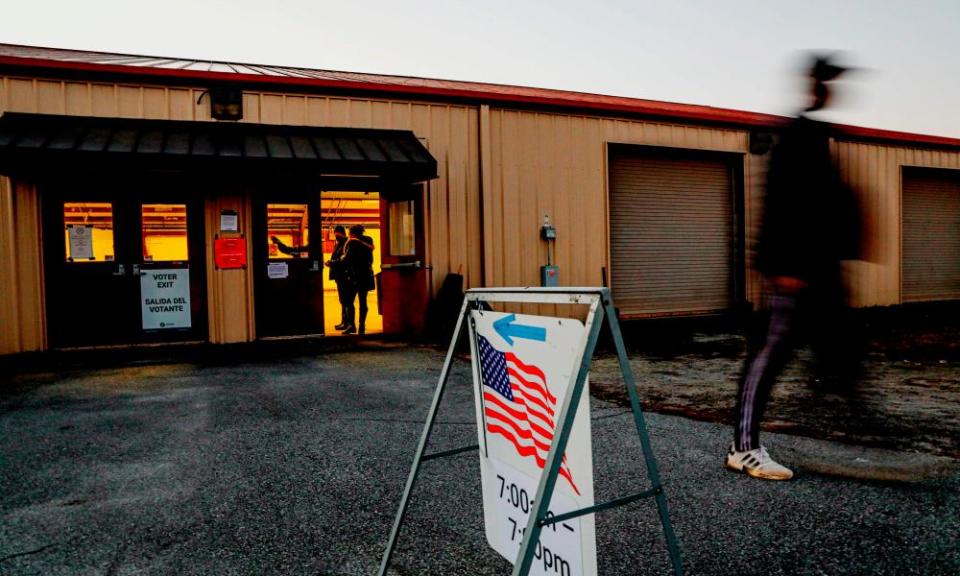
(395, 154)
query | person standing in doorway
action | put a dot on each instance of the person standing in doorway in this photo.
(358, 270)
(811, 223)
(335, 264)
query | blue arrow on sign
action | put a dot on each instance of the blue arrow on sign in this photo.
(508, 330)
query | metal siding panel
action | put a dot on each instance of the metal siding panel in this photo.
(21, 95)
(294, 110)
(671, 234)
(50, 97)
(181, 104)
(155, 103)
(931, 236)
(130, 101)
(271, 109)
(78, 99)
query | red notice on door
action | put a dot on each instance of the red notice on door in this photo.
(230, 253)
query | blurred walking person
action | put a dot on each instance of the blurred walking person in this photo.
(811, 223)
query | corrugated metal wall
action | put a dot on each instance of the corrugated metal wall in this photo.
(531, 163)
(450, 132)
(557, 164)
(22, 318)
(874, 172)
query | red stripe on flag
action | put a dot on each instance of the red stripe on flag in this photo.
(519, 391)
(529, 451)
(531, 369)
(535, 387)
(497, 399)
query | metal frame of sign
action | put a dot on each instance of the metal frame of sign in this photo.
(600, 307)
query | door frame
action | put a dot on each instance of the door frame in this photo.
(126, 191)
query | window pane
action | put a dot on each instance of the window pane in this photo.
(164, 232)
(88, 231)
(287, 231)
(402, 237)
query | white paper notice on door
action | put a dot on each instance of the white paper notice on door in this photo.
(277, 270)
(81, 241)
(165, 299)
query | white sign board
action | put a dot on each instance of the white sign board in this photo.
(277, 270)
(522, 366)
(81, 241)
(165, 299)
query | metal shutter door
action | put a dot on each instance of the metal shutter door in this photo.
(931, 236)
(671, 229)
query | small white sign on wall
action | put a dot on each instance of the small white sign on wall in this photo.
(81, 241)
(277, 270)
(165, 299)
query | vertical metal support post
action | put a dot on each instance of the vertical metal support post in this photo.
(652, 472)
(424, 438)
(551, 469)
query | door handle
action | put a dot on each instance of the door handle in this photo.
(416, 264)
(121, 270)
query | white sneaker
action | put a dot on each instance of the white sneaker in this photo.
(757, 463)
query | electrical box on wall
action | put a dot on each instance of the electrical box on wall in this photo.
(549, 275)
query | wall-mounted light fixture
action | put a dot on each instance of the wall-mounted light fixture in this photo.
(226, 103)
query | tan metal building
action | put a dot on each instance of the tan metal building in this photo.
(128, 214)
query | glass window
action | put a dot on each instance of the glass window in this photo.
(287, 231)
(164, 232)
(88, 231)
(402, 235)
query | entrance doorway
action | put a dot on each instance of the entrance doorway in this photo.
(349, 209)
(294, 238)
(128, 267)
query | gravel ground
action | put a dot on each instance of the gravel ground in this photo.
(296, 465)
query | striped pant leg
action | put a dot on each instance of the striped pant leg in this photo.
(762, 371)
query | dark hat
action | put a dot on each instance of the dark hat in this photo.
(339, 229)
(823, 70)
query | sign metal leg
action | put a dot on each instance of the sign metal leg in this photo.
(652, 471)
(424, 438)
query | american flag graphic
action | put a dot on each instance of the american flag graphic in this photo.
(518, 405)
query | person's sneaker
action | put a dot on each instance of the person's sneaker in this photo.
(350, 330)
(340, 326)
(757, 463)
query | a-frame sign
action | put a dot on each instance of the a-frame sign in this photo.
(530, 373)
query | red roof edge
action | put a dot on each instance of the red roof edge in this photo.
(538, 97)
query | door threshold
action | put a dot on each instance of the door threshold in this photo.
(130, 346)
(291, 337)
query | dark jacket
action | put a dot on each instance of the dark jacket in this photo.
(358, 263)
(811, 219)
(336, 260)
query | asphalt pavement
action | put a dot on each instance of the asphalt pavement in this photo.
(295, 465)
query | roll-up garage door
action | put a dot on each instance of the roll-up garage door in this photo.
(931, 235)
(671, 228)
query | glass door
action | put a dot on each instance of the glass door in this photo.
(167, 301)
(128, 269)
(89, 301)
(289, 278)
